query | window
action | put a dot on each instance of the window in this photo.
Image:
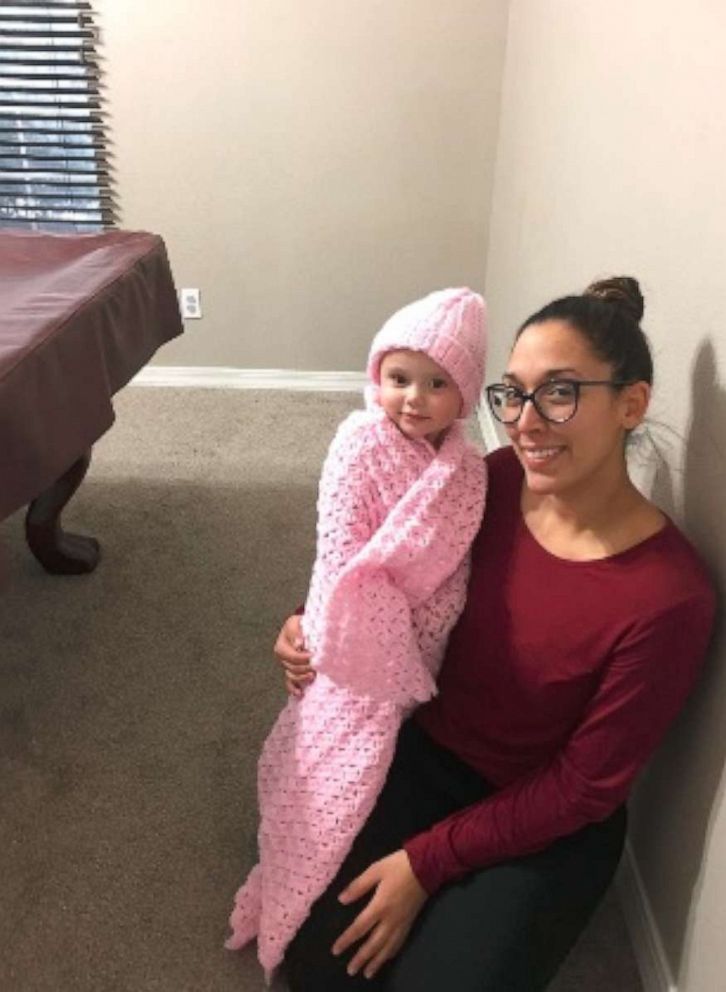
(54, 169)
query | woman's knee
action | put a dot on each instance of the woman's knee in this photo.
(310, 965)
(509, 927)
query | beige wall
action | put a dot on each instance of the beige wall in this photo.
(312, 165)
(612, 159)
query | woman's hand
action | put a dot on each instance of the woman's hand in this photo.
(387, 918)
(290, 651)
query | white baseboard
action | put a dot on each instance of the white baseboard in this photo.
(231, 378)
(650, 954)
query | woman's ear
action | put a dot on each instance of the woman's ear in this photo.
(635, 400)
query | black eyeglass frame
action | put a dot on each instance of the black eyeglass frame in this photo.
(575, 383)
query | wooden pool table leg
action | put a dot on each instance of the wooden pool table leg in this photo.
(60, 553)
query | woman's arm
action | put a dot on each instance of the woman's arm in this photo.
(642, 690)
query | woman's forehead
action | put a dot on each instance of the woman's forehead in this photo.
(553, 348)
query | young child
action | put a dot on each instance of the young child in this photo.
(401, 498)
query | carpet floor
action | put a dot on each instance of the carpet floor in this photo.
(133, 701)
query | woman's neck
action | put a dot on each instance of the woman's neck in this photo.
(593, 522)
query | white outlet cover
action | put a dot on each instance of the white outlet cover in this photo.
(190, 303)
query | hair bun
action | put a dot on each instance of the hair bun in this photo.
(622, 292)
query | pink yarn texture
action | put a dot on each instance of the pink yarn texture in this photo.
(395, 521)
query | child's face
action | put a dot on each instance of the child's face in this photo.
(418, 395)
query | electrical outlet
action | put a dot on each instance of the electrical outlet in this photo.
(191, 303)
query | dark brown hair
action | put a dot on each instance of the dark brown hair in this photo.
(608, 316)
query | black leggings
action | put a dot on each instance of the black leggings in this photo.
(506, 928)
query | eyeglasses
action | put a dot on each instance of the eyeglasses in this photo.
(555, 400)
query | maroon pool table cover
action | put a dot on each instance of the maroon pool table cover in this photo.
(80, 315)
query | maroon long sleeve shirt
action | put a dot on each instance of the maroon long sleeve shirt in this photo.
(559, 680)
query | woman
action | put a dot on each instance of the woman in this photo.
(502, 820)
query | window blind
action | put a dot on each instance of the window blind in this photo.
(54, 158)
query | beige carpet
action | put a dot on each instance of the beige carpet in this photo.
(133, 701)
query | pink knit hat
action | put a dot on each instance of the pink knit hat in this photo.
(450, 327)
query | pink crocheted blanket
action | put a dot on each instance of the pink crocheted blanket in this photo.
(395, 521)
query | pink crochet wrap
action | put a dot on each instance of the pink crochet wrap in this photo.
(395, 522)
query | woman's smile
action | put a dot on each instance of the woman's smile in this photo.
(539, 455)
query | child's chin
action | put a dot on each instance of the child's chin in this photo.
(411, 433)
(410, 428)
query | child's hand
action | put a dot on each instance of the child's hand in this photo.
(290, 651)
